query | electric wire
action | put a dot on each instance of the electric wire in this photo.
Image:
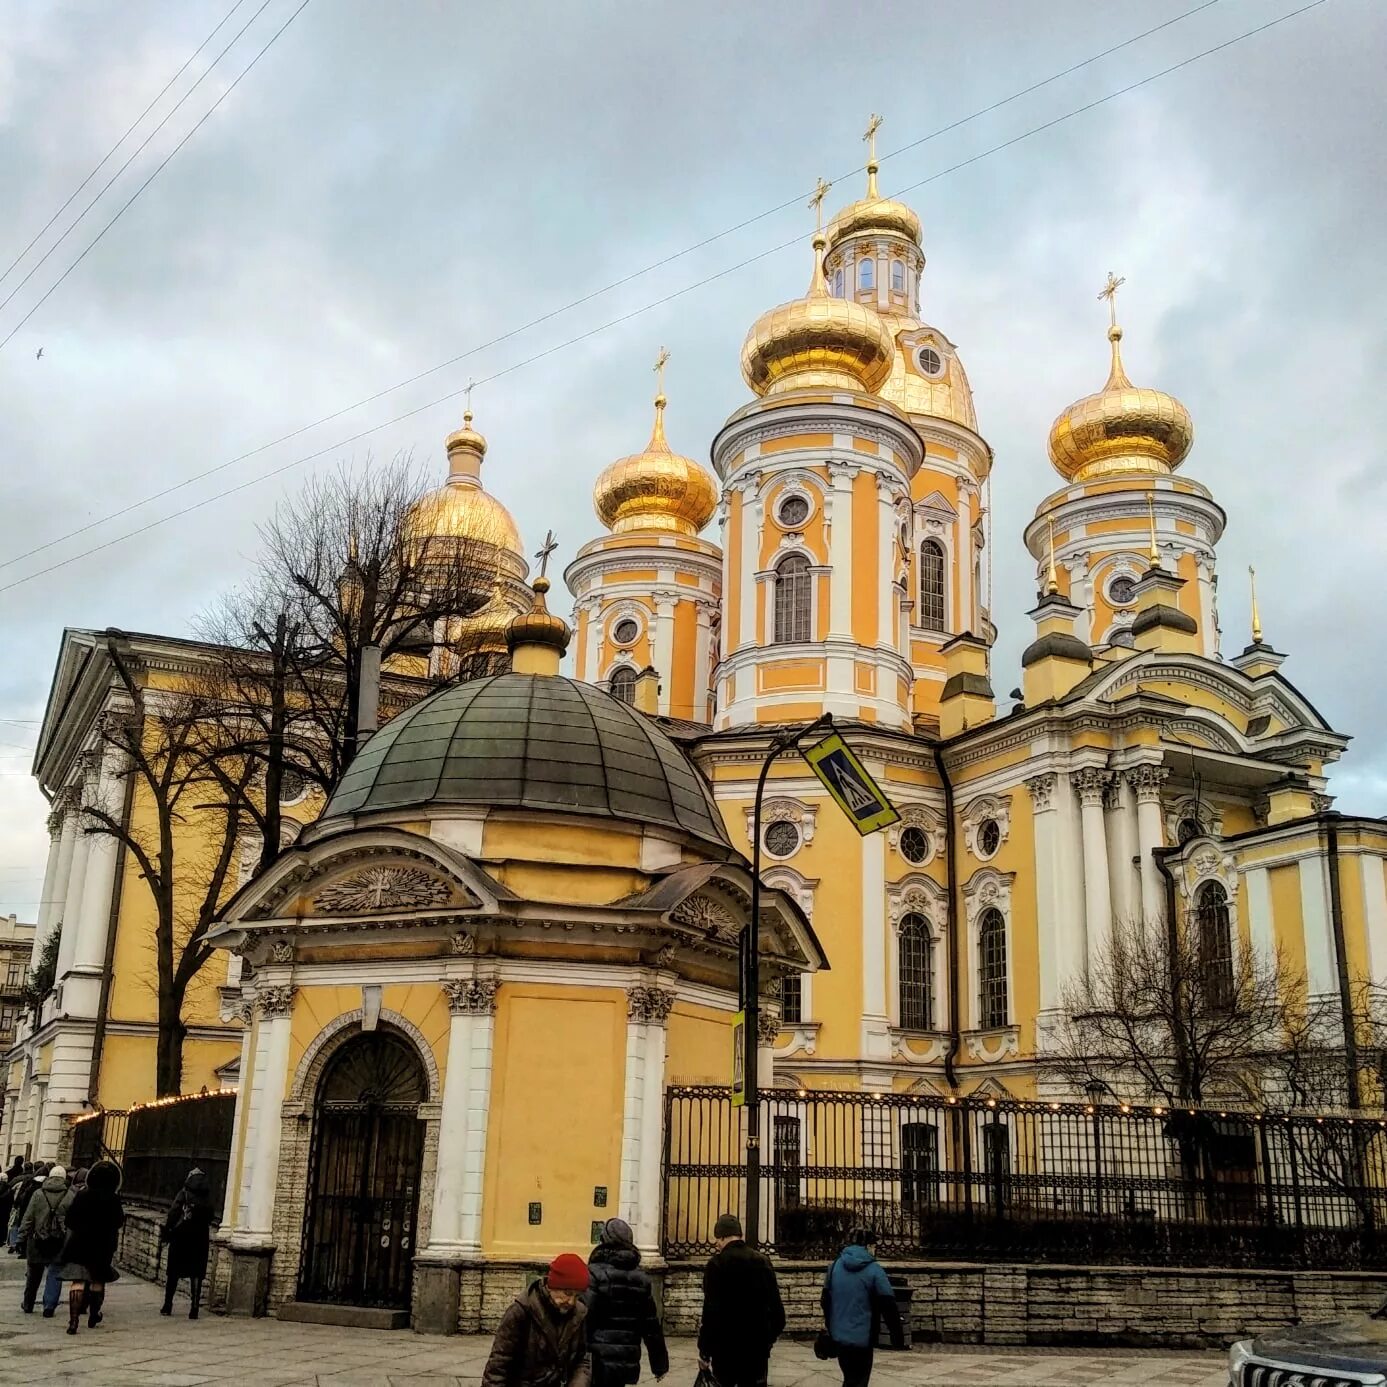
(159, 168)
(130, 130)
(590, 296)
(644, 308)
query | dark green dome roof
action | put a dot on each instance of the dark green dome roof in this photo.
(534, 742)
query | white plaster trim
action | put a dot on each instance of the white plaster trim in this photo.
(336, 1033)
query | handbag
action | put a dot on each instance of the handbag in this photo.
(705, 1378)
(825, 1346)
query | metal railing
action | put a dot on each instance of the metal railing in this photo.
(1004, 1180)
(97, 1136)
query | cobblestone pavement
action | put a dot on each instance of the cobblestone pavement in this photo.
(137, 1347)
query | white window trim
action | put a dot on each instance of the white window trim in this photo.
(929, 524)
(988, 889)
(918, 894)
(976, 812)
(929, 821)
(801, 888)
(768, 580)
(622, 661)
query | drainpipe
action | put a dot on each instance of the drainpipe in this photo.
(1172, 934)
(1330, 825)
(951, 917)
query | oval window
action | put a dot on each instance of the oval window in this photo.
(626, 630)
(914, 845)
(793, 512)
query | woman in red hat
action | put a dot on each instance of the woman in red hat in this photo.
(541, 1340)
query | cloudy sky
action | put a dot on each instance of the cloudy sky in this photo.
(393, 186)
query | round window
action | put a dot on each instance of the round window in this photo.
(781, 838)
(1188, 830)
(1122, 590)
(914, 844)
(793, 512)
(291, 787)
(626, 630)
(930, 362)
(989, 837)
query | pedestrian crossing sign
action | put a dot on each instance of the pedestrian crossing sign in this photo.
(853, 790)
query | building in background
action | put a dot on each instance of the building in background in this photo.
(16, 949)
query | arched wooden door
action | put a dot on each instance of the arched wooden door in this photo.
(363, 1184)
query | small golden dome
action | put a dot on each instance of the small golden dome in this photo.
(460, 509)
(818, 341)
(656, 489)
(1122, 429)
(539, 626)
(874, 215)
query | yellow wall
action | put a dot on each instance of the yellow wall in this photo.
(699, 1046)
(556, 1106)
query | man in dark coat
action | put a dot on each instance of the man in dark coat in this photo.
(857, 1296)
(188, 1232)
(542, 1340)
(30, 1177)
(93, 1227)
(742, 1312)
(621, 1311)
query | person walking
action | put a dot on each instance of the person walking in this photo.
(6, 1204)
(743, 1314)
(856, 1297)
(621, 1311)
(24, 1186)
(542, 1340)
(94, 1221)
(42, 1232)
(188, 1232)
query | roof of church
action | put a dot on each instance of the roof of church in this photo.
(533, 742)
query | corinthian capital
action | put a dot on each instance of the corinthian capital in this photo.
(471, 996)
(767, 1026)
(649, 1005)
(1090, 783)
(1147, 782)
(276, 999)
(1042, 788)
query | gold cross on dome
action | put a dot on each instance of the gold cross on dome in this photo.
(545, 549)
(873, 125)
(817, 203)
(1109, 292)
(661, 362)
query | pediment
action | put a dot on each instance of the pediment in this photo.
(938, 503)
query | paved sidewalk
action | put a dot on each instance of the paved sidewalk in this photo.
(137, 1347)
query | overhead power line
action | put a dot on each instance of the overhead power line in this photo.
(159, 168)
(130, 130)
(636, 312)
(588, 297)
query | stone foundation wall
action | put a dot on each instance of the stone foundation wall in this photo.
(139, 1250)
(1169, 1307)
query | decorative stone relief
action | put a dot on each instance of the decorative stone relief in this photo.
(471, 996)
(383, 888)
(1042, 788)
(648, 1006)
(917, 895)
(1147, 782)
(1205, 861)
(281, 951)
(702, 912)
(805, 817)
(799, 888)
(933, 1052)
(800, 1038)
(984, 889)
(1090, 784)
(276, 999)
(1208, 816)
(767, 1026)
(977, 812)
(664, 956)
(462, 944)
(929, 821)
(992, 1047)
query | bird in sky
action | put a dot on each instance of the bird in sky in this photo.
(39, 355)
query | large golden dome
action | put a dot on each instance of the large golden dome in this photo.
(459, 509)
(1123, 429)
(818, 341)
(656, 489)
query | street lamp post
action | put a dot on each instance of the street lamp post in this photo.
(751, 982)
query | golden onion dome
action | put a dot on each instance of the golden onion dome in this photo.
(818, 341)
(539, 626)
(459, 509)
(486, 631)
(1123, 429)
(657, 489)
(874, 215)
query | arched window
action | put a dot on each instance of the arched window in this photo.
(992, 970)
(838, 282)
(898, 276)
(622, 684)
(866, 274)
(1215, 939)
(932, 585)
(793, 599)
(916, 975)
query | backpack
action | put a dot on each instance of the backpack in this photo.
(49, 1230)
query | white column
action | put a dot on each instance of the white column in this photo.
(876, 1038)
(1146, 782)
(275, 1004)
(840, 551)
(887, 623)
(72, 896)
(963, 558)
(1122, 848)
(93, 919)
(1374, 873)
(457, 1203)
(1321, 965)
(1260, 927)
(750, 562)
(240, 1138)
(57, 827)
(664, 646)
(1045, 821)
(1090, 785)
(647, 1013)
(592, 649)
(1208, 623)
(57, 894)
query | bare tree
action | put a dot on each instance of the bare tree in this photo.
(182, 838)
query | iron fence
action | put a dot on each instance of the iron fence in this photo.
(101, 1134)
(165, 1140)
(1004, 1180)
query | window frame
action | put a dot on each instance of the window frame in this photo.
(623, 672)
(993, 986)
(915, 973)
(937, 547)
(1217, 977)
(792, 607)
(898, 274)
(866, 274)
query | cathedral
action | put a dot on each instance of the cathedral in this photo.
(516, 918)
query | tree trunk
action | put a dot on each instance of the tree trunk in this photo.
(168, 1063)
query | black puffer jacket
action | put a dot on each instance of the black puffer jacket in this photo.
(622, 1317)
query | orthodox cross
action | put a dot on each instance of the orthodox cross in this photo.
(873, 125)
(661, 362)
(467, 406)
(817, 203)
(1109, 292)
(545, 549)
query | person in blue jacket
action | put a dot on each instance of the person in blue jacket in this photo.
(856, 1298)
